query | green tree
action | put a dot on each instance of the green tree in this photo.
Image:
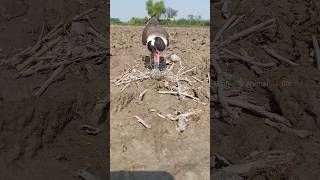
(156, 8)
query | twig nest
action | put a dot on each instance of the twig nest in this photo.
(175, 58)
(156, 74)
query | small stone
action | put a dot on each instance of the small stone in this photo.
(175, 58)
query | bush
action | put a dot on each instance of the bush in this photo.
(165, 22)
(138, 21)
(115, 21)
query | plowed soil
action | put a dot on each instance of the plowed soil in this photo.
(184, 155)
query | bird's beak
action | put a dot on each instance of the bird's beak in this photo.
(157, 58)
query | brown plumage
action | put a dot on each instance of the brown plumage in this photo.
(153, 28)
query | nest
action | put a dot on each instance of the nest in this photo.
(179, 83)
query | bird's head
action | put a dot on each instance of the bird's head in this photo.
(156, 44)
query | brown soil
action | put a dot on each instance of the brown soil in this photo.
(161, 148)
(299, 101)
(40, 138)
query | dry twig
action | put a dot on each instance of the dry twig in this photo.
(140, 120)
(246, 32)
(49, 81)
(273, 53)
(281, 127)
(316, 50)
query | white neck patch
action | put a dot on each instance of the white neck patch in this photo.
(152, 39)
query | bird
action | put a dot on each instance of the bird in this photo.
(156, 39)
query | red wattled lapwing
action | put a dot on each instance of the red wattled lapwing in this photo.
(156, 39)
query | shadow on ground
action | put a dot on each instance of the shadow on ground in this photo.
(141, 175)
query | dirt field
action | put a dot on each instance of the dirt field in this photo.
(184, 155)
(40, 138)
(297, 99)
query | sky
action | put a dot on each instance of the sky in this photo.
(126, 9)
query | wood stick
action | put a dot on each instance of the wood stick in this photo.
(316, 50)
(273, 53)
(183, 94)
(98, 35)
(263, 161)
(223, 28)
(197, 79)
(281, 127)
(49, 81)
(248, 59)
(43, 67)
(246, 32)
(87, 175)
(44, 49)
(38, 43)
(259, 110)
(142, 94)
(18, 57)
(125, 87)
(237, 21)
(77, 17)
(54, 34)
(52, 31)
(192, 69)
(140, 120)
(221, 94)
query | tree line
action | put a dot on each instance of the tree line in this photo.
(166, 16)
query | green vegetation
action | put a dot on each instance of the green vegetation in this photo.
(158, 9)
(116, 21)
(165, 22)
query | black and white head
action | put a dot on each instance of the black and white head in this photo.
(155, 43)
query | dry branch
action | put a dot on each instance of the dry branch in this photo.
(184, 118)
(52, 31)
(98, 35)
(237, 21)
(223, 28)
(44, 49)
(281, 127)
(273, 53)
(259, 110)
(49, 81)
(221, 93)
(39, 41)
(248, 59)
(246, 32)
(17, 58)
(142, 94)
(183, 94)
(271, 161)
(316, 50)
(84, 174)
(140, 120)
